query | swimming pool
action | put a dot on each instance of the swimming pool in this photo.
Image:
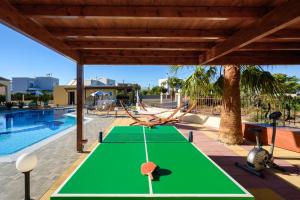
(21, 129)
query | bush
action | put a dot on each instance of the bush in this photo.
(21, 104)
(122, 97)
(9, 105)
(2, 98)
(33, 104)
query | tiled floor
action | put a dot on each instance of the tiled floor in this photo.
(226, 156)
(273, 187)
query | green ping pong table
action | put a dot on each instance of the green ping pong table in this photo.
(112, 170)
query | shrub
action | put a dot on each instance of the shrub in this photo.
(9, 105)
(21, 104)
(2, 98)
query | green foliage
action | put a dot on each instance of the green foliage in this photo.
(145, 92)
(45, 97)
(255, 80)
(174, 82)
(21, 104)
(124, 98)
(199, 83)
(2, 98)
(156, 90)
(289, 84)
(9, 105)
(206, 81)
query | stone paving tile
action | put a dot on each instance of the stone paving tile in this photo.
(53, 160)
(226, 158)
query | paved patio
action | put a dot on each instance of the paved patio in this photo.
(276, 185)
(47, 179)
(54, 159)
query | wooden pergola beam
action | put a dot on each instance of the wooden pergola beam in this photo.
(139, 45)
(138, 60)
(260, 58)
(279, 18)
(66, 32)
(12, 18)
(142, 11)
(269, 46)
(79, 105)
(140, 52)
(95, 47)
(241, 58)
(63, 32)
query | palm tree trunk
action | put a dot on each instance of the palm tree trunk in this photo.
(230, 131)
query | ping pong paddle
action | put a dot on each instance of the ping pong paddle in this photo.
(148, 168)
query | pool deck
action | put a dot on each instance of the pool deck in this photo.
(53, 160)
(47, 177)
(274, 186)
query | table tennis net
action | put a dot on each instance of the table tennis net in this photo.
(151, 137)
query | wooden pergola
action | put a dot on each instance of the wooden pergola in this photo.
(140, 32)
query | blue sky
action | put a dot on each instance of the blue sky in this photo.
(21, 56)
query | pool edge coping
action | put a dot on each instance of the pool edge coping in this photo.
(35, 146)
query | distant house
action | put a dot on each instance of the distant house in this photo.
(298, 92)
(33, 85)
(5, 88)
(95, 82)
(66, 94)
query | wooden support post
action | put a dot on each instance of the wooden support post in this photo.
(79, 106)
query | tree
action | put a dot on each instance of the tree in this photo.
(230, 131)
(289, 84)
(2, 98)
(229, 84)
(135, 88)
(174, 83)
(199, 83)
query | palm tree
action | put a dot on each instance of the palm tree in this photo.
(252, 79)
(199, 83)
(174, 83)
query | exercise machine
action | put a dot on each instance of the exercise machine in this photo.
(259, 158)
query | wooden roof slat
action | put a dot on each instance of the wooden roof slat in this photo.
(142, 53)
(141, 60)
(259, 58)
(263, 58)
(139, 32)
(279, 18)
(237, 3)
(268, 46)
(213, 12)
(162, 31)
(203, 46)
(65, 32)
(11, 17)
(140, 45)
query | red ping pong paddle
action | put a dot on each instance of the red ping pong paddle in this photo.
(148, 168)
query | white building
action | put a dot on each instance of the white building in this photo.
(32, 85)
(107, 81)
(96, 82)
(5, 88)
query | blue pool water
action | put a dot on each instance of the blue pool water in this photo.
(20, 129)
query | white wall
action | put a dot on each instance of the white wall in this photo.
(22, 84)
(46, 83)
